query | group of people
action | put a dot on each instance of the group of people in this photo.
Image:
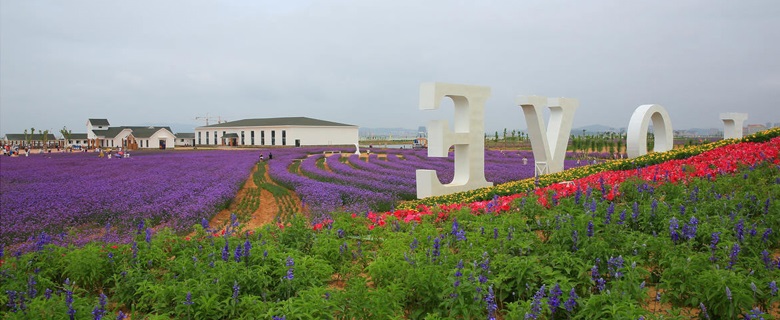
(9, 150)
(110, 153)
(270, 156)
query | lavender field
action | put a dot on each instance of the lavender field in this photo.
(78, 197)
(377, 183)
(80, 193)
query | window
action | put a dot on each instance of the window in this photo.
(242, 138)
(284, 137)
(215, 137)
(273, 137)
(262, 138)
(207, 138)
(199, 141)
(252, 137)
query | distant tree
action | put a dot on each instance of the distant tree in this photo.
(65, 134)
(45, 138)
(514, 133)
(32, 133)
(496, 140)
(619, 145)
(504, 134)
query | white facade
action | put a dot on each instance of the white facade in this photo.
(277, 135)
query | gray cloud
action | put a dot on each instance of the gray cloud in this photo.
(361, 62)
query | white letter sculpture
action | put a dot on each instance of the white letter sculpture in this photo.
(468, 138)
(549, 145)
(732, 124)
(636, 137)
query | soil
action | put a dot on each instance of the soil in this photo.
(265, 213)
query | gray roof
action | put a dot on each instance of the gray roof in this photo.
(271, 122)
(185, 135)
(99, 122)
(23, 137)
(78, 136)
(137, 131)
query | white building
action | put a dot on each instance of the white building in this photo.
(290, 131)
(101, 134)
(76, 140)
(185, 139)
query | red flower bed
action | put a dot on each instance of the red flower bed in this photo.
(723, 160)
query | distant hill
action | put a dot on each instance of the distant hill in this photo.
(594, 128)
(387, 133)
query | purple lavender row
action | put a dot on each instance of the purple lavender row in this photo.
(57, 192)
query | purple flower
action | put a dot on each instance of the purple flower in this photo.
(121, 315)
(188, 299)
(689, 230)
(601, 284)
(590, 228)
(572, 301)
(594, 273)
(610, 211)
(739, 230)
(622, 218)
(714, 245)
(673, 226)
(289, 275)
(436, 246)
(454, 226)
(635, 211)
(235, 290)
(703, 310)
(554, 299)
(237, 255)
(733, 256)
(226, 251)
(495, 233)
(69, 303)
(614, 265)
(31, 291)
(754, 314)
(765, 236)
(773, 288)
(728, 293)
(767, 259)
(148, 235)
(491, 304)
(247, 248)
(536, 305)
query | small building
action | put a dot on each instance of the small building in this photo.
(101, 134)
(185, 139)
(76, 140)
(289, 131)
(33, 140)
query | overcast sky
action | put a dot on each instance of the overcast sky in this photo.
(361, 62)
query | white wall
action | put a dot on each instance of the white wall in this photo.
(162, 134)
(309, 136)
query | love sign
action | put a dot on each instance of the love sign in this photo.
(548, 141)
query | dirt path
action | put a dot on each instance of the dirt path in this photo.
(265, 213)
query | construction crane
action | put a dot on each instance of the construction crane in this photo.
(207, 119)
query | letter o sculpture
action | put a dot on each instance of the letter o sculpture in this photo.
(636, 144)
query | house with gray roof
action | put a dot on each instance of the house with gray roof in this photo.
(185, 139)
(35, 140)
(287, 131)
(101, 134)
